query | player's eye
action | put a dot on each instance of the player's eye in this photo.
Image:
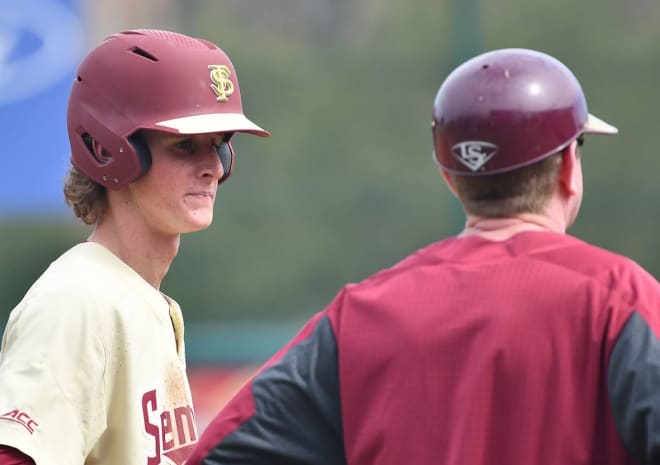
(185, 144)
(580, 141)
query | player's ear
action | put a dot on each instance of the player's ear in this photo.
(449, 180)
(569, 171)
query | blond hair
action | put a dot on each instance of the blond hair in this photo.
(88, 199)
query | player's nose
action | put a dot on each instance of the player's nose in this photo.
(211, 164)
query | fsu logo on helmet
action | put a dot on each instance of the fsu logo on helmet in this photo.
(474, 153)
(220, 83)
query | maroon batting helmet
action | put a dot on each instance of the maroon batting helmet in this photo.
(506, 109)
(149, 79)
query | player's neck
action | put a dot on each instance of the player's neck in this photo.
(501, 229)
(149, 256)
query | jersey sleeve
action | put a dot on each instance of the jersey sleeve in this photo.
(288, 413)
(633, 370)
(633, 381)
(52, 369)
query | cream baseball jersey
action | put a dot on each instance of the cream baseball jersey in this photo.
(92, 368)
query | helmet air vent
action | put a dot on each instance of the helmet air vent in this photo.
(143, 53)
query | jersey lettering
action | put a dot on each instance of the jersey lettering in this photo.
(175, 433)
(22, 418)
(149, 400)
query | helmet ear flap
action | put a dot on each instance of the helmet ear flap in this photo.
(225, 152)
(142, 151)
(101, 155)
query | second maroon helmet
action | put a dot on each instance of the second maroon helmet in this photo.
(506, 109)
(148, 79)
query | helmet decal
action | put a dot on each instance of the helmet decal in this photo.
(220, 82)
(474, 153)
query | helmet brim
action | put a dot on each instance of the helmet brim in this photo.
(213, 122)
(595, 125)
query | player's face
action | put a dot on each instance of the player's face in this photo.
(178, 192)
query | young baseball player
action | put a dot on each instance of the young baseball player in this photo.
(92, 367)
(512, 343)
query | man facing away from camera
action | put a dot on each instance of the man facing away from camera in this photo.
(513, 343)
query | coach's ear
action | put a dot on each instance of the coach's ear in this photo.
(571, 171)
(450, 181)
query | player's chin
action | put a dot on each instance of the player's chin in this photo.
(199, 220)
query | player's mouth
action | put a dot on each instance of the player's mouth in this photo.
(201, 195)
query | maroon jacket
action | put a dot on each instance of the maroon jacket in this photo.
(537, 350)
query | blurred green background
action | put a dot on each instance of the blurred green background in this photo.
(346, 184)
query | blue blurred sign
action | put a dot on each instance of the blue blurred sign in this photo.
(41, 42)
